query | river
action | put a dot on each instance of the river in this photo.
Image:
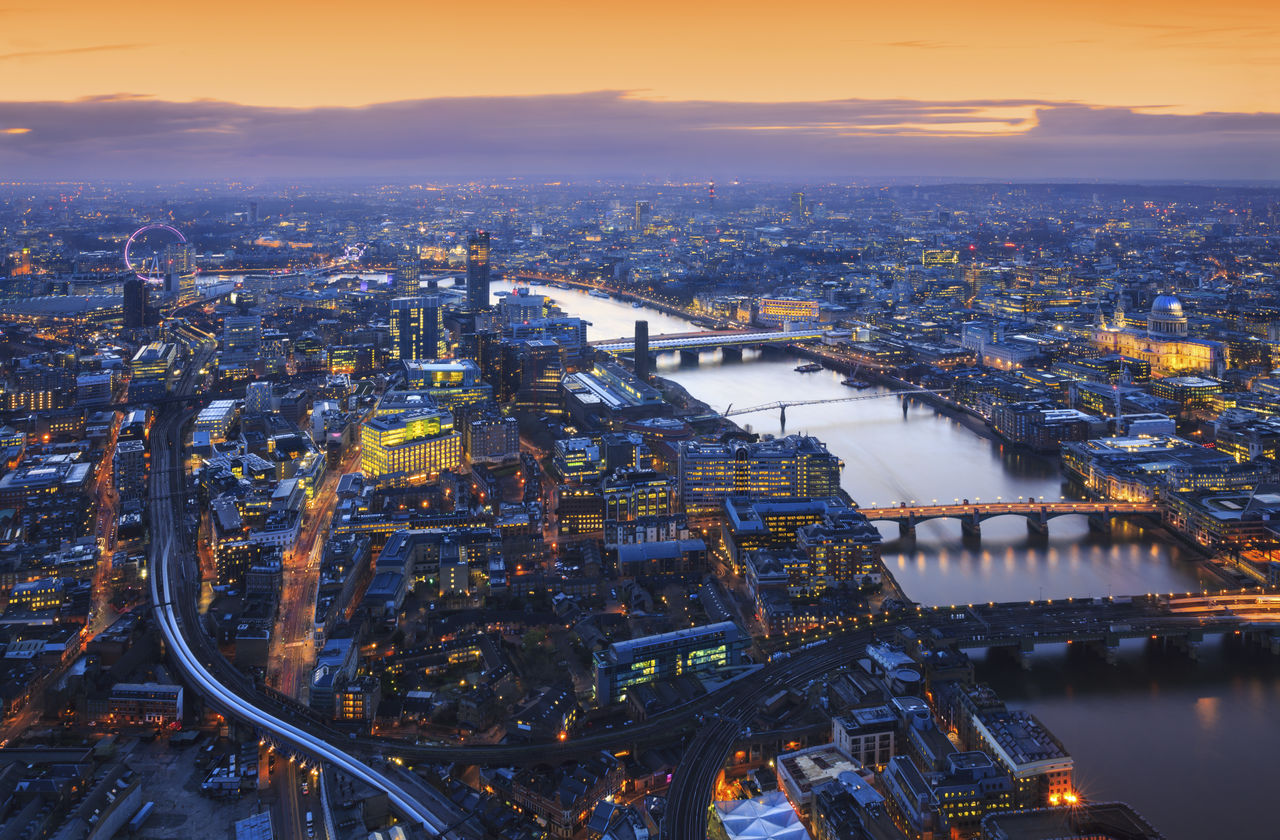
(921, 455)
(1188, 745)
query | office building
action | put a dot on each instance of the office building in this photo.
(970, 787)
(478, 271)
(910, 799)
(216, 418)
(631, 494)
(577, 459)
(794, 466)
(135, 302)
(150, 703)
(1079, 821)
(406, 276)
(154, 361)
(851, 809)
(1037, 762)
(180, 272)
(409, 447)
(775, 312)
(241, 334)
(537, 368)
(697, 650)
(417, 328)
(643, 215)
(491, 438)
(579, 510)
(450, 384)
(93, 388)
(1134, 469)
(802, 772)
(754, 523)
(571, 333)
(257, 398)
(662, 558)
(130, 465)
(1043, 426)
(843, 550)
(521, 307)
(868, 734)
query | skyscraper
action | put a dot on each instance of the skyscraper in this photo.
(180, 271)
(406, 278)
(643, 213)
(135, 303)
(798, 209)
(417, 328)
(478, 271)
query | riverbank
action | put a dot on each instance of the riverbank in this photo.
(688, 407)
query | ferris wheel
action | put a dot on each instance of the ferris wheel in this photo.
(150, 252)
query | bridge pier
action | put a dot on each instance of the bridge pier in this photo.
(689, 357)
(1273, 642)
(1038, 523)
(971, 526)
(907, 528)
(1108, 648)
(1188, 644)
(731, 354)
(1100, 522)
(1026, 647)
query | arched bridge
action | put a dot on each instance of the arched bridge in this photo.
(1037, 513)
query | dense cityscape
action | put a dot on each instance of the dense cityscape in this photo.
(625, 510)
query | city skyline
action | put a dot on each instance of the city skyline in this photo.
(666, 421)
(1142, 92)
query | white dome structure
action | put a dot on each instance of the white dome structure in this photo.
(1167, 319)
(768, 817)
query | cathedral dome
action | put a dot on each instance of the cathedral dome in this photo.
(1167, 319)
(1167, 306)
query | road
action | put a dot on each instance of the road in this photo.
(292, 641)
(101, 613)
(293, 804)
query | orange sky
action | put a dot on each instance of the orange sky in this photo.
(1190, 56)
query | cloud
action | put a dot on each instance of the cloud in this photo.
(15, 56)
(920, 44)
(617, 134)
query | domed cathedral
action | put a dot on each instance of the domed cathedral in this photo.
(1167, 319)
(1165, 343)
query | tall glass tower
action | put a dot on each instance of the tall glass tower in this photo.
(417, 328)
(478, 271)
